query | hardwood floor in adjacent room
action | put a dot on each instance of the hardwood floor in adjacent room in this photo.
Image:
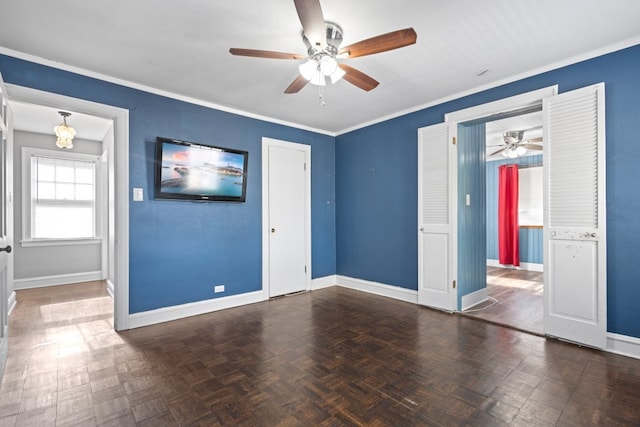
(330, 357)
(517, 299)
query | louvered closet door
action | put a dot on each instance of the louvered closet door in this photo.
(436, 235)
(575, 222)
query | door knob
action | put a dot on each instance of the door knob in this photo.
(273, 230)
(6, 249)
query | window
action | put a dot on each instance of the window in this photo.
(61, 194)
(530, 196)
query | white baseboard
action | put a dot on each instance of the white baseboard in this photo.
(4, 352)
(623, 345)
(523, 265)
(394, 292)
(323, 282)
(11, 302)
(61, 279)
(167, 314)
(616, 343)
(110, 287)
(474, 298)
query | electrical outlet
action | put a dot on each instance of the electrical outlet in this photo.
(218, 288)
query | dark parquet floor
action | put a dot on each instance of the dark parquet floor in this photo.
(331, 357)
(518, 299)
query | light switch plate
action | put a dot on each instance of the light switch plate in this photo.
(138, 195)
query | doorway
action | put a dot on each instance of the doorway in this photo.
(286, 217)
(514, 287)
(116, 235)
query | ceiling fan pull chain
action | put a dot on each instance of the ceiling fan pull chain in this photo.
(321, 96)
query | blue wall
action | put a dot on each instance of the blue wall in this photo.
(376, 184)
(179, 250)
(472, 238)
(374, 236)
(530, 238)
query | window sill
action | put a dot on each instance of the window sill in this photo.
(59, 242)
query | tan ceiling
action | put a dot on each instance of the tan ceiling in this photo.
(181, 47)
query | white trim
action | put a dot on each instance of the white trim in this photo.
(376, 288)
(110, 287)
(55, 280)
(155, 91)
(12, 302)
(556, 65)
(529, 266)
(266, 143)
(167, 314)
(474, 298)
(530, 73)
(120, 118)
(623, 345)
(323, 282)
(516, 102)
(59, 242)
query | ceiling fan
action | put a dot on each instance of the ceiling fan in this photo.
(322, 39)
(514, 145)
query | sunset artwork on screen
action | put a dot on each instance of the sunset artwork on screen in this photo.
(199, 172)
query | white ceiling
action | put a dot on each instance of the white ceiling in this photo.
(181, 47)
(41, 119)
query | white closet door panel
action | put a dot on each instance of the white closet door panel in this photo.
(435, 212)
(575, 224)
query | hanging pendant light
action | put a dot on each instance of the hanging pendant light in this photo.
(64, 132)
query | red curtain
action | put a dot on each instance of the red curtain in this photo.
(508, 215)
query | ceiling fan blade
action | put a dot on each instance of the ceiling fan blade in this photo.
(358, 78)
(381, 43)
(531, 146)
(534, 140)
(312, 20)
(265, 54)
(296, 85)
(498, 151)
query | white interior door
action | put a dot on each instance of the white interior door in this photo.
(6, 220)
(288, 219)
(437, 222)
(575, 254)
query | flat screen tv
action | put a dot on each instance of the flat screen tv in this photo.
(190, 171)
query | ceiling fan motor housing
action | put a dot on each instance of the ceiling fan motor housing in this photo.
(334, 39)
(513, 136)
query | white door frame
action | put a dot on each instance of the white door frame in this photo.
(6, 223)
(266, 143)
(120, 252)
(513, 103)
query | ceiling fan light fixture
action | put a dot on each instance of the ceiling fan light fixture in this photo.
(328, 65)
(337, 74)
(308, 69)
(64, 132)
(316, 69)
(514, 152)
(318, 79)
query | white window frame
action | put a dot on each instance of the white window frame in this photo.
(27, 240)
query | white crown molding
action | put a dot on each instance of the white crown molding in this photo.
(540, 70)
(155, 91)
